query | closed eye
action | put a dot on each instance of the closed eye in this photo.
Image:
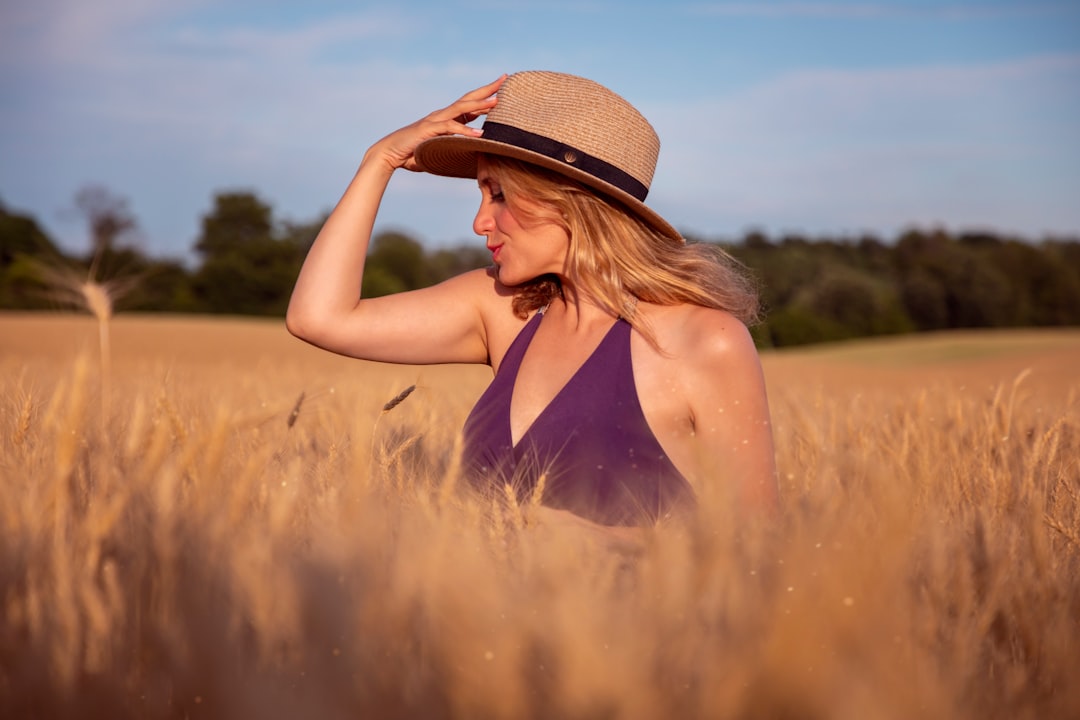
(494, 192)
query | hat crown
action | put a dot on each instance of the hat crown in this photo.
(582, 115)
(567, 124)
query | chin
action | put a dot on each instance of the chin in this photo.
(507, 278)
(511, 279)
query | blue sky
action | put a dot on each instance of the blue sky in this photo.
(824, 118)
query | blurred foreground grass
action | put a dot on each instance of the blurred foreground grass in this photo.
(187, 552)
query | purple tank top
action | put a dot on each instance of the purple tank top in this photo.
(599, 455)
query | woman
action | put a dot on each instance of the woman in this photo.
(626, 380)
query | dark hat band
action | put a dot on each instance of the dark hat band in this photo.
(567, 154)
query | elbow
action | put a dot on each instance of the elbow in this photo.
(301, 324)
(292, 324)
(319, 325)
(316, 326)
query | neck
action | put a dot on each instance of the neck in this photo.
(579, 309)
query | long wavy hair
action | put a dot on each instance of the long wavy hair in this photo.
(615, 258)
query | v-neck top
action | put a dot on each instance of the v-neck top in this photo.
(599, 458)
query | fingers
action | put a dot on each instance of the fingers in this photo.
(466, 117)
(486, 91)
(397, 148)
(475, 103)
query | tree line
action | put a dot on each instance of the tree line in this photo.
(813, 290)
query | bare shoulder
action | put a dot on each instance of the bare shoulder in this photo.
(478, 288)
(703, 393)
(700, 336)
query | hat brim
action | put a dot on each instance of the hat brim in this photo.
(456, 156)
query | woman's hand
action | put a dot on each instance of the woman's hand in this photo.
(396, 149)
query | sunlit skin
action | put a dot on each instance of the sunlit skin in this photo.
(520, 251)
(702, 392)
(675, 385)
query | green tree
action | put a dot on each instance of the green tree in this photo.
(246, 269)
(924, 299)
(1043, 289)
(396, 257)
(798, 325)
(857, 302)
(301, 235)
(977, 294)
(1056, 294)
(164, 285)
(23, 247)
(843, 303)
(255, 280)
(447, 263)
(238, 219)
(22, 285)
(21, 235)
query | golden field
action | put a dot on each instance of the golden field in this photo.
(229, 525)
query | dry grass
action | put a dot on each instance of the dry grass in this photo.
(218, 548)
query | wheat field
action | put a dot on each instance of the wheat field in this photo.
(230, 524)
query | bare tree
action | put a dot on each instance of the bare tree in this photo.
(107, 216)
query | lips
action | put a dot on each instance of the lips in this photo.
(494, 252)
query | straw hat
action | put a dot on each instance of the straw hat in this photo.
(568, 124)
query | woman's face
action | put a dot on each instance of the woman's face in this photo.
(521, 249)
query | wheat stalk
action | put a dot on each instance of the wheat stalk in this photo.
(98, 298)
(398, 399)
(251, 579)
(386, 408)
(516, 517)
(402, 448)
(538, 491)
(295, 412)
(22, 422)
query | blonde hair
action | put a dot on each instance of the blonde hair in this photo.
(616, 258)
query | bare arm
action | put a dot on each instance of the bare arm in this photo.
(443, 323)
(730, 412)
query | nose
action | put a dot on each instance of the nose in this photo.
(483, 223)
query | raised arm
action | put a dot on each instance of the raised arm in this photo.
(443, 323)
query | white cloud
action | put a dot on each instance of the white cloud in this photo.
(163, 105)
(783, 9)
(158, 112)
(834, 148)
(795, 9)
